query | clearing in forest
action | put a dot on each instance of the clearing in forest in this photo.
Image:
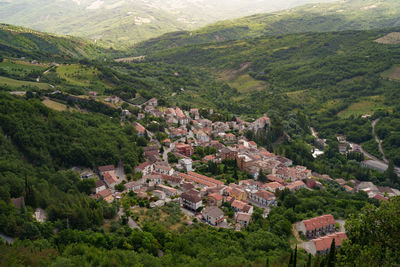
(392, 74)
(366, 106)
(391, 38)
(18, 84)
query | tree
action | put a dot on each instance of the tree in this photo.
(390, 172)
(120, 187)
(291, 258)
(262, 177)
(373, 236)
(309, 261)
(295, 257)
(332, 255)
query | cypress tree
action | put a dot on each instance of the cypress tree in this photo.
(291, 258)
(309, 260)
(295, 257)
(332, 255)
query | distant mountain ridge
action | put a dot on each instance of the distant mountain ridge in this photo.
(123, 22)
(336, 16)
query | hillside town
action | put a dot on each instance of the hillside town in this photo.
(169, 174)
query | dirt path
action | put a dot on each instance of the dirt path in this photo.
(379, 141)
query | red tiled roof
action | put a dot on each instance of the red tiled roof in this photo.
(110, 178)
(106, 168)
(144, 165)
(273, 185)
(216, 196)
(319, 222)
(192, 196)
(240, 205)
(324, 243)
(104, 193)
(196, 180)
(206, 178)
(265, 195)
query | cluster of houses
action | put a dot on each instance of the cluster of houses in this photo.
(381, 193)
(321, 232)
(204, 195)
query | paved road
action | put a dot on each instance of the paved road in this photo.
(119, 171)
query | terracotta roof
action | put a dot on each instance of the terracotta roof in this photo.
(106, 168)
(213, 211)
(240, 205)
(319, 222)
(144, 165)
(273, 185)
(216, 196)
(241, 216)
(139, 128)
(191, 196)
(105, 193)
(206, 178)
(273, 178)
(324, 243)
(173, 179)
(295, 184)
(110, 178)
(100, 183)
(196, 180)
(265, 195)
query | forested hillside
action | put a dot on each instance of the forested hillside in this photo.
(336, 16)
(20, 42)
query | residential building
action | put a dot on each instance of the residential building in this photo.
(273, 186)
(296, 185)
(228, 153)
(317, 226)
(186, 164)
(108, 168)
(106, 195)
(184, 149)
(140, 129)
(214, 199)
(134, 186)
(242, 218)
(100, 186)
(213, 215)
(322, 245)
(240, 206)
(169, 191)
(263, 198)
(110, 179)
(191, 200)
(145, 168)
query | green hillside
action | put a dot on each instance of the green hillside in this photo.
(22, 42)
(336, 16)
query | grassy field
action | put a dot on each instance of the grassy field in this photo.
(168, 216)
(366, 106)
(80, 75)
(244, 83)
(19, 84)
(393, 73)
(57, 106)
(54, 105)
(20, 67)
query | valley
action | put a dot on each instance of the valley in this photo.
(266, 140)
